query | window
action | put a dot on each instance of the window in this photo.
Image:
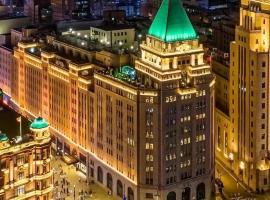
(21, 175)
(20, 190)
(20, 160)
(149, 195)
(263, 95)
(263, 74)
(265, 181)
(263, 85)
(263, 64)
(263, 105)
(263, 146)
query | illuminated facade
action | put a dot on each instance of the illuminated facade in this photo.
(247, 139)
(26, 171)
(6, 61)
(113, 35)
(143, 132)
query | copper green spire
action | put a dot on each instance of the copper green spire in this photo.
(171, 23)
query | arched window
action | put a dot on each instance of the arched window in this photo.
(100, 175)
(130, 194)
(200, 191)
(186, 194)
(109, 181)
(119, 188)
(171, 196)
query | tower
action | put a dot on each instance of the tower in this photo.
(248, 140)
(176, 124)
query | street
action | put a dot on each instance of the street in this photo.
(67, 180)
(233, 189)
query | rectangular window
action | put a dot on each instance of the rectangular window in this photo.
(20, 190)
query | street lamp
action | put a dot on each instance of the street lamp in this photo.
(242, 165)
(74, 191)
(231, 157)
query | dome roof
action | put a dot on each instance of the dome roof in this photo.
(3, 137)
(171, 23)
(39, 123)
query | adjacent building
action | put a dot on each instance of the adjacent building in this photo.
(244, 142)
(114, 35)
(62, 9)
(32, 9)
(143, 131)
(11, 22)
(26, 171)
(6, 62)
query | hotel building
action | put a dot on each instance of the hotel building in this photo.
(143, 132)
(243, 134)
(26, 171)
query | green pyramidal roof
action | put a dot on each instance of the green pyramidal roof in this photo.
(171, 23)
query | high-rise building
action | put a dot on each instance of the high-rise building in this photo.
(32, 9)
(150, 7)
(62, 9)
(143, 132)
(67, 9)
(26, 171)
(243, 145)
(81, 8)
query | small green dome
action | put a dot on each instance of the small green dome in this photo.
(39, 123)
(3, 137)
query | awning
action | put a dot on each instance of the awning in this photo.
(68, 159)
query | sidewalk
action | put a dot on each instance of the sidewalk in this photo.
(234, 188)
(67, 179)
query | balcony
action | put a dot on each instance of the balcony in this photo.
(43, 176)
(32, 193)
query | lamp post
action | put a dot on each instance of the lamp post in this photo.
(242, 167)
(74, 194)
(231, 157)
